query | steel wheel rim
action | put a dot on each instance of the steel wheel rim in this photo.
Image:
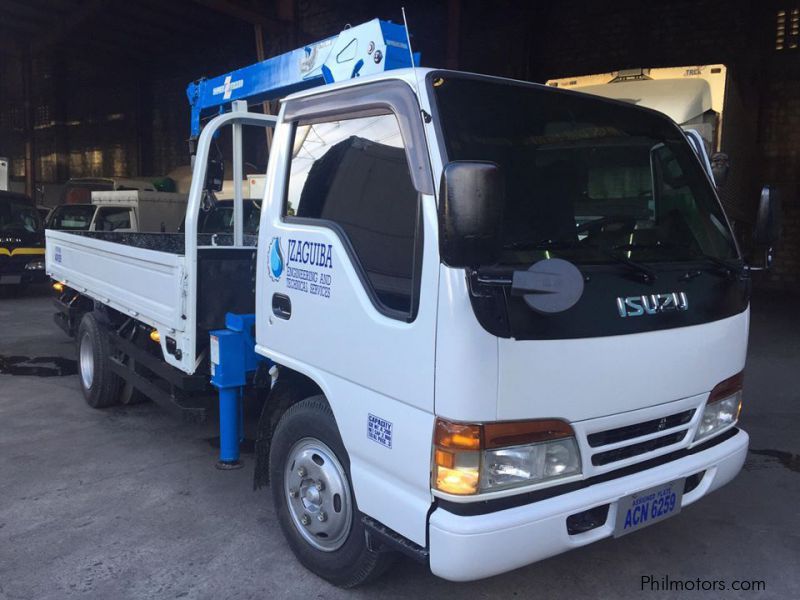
(318, 495)
(87, 360)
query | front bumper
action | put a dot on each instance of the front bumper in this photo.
(465, 548)
(13, 268)
(22, 277)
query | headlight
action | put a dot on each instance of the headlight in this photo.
(722, 408)
(479, 458)
(35, 265)
(528, 464)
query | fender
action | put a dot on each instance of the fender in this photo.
(290, 388)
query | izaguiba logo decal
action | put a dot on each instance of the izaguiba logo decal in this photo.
(276, 262)
(308, 266)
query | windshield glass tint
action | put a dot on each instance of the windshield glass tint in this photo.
(586, 179)
(75, 217)
(16, 216)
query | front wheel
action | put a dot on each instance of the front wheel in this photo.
(314, 500)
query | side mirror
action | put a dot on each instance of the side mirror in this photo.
(209, 201)
(720, 167)
(768, 225)
(768, 218)
(472, 197)
(215, 175)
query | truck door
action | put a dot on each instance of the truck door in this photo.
(348, 273)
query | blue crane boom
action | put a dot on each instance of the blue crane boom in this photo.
(366, 49)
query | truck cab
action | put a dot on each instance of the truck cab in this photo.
(401, 228)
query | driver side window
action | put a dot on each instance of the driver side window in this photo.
(353, 176)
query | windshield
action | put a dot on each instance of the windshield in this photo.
(112, 218)
(19, 216)
(587, 180)
(75, 217)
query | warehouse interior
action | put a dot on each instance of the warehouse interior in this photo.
(92, 89)
(127, 502)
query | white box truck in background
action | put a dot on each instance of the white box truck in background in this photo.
(3, 174)
(137, 210)
(706, 98)
(124, 210)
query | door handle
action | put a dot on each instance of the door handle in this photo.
(281, 306)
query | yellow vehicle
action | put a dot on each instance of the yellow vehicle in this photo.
(21, 241)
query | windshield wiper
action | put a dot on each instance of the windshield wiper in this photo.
(546, 244)
(720, 262)
(648, 273)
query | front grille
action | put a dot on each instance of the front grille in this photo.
(604, 458)
(612, 436)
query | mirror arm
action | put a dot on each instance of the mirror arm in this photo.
(526, 282)
(768, 256)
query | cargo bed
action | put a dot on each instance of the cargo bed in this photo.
(145, 276)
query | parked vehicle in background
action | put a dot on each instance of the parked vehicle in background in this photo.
(137, 210)
(44, 212)
(71, 217)
(79, 190)
(21, 241)
(219, 217)
(4, 166)
(128, 210)
(706, 98)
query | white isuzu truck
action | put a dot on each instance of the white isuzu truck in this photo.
(486, 321)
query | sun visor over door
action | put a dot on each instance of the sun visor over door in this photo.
(372, 99)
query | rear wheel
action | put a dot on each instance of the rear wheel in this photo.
(317, 510)
(99, 384)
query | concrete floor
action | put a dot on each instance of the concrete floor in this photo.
(126, 503)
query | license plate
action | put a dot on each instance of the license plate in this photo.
(10, 279)
(649, 506)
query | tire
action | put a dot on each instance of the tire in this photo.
(307, 449)
(100, 386)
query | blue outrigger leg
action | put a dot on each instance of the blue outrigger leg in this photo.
(233, 358)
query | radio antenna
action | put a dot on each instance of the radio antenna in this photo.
(410, 51)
